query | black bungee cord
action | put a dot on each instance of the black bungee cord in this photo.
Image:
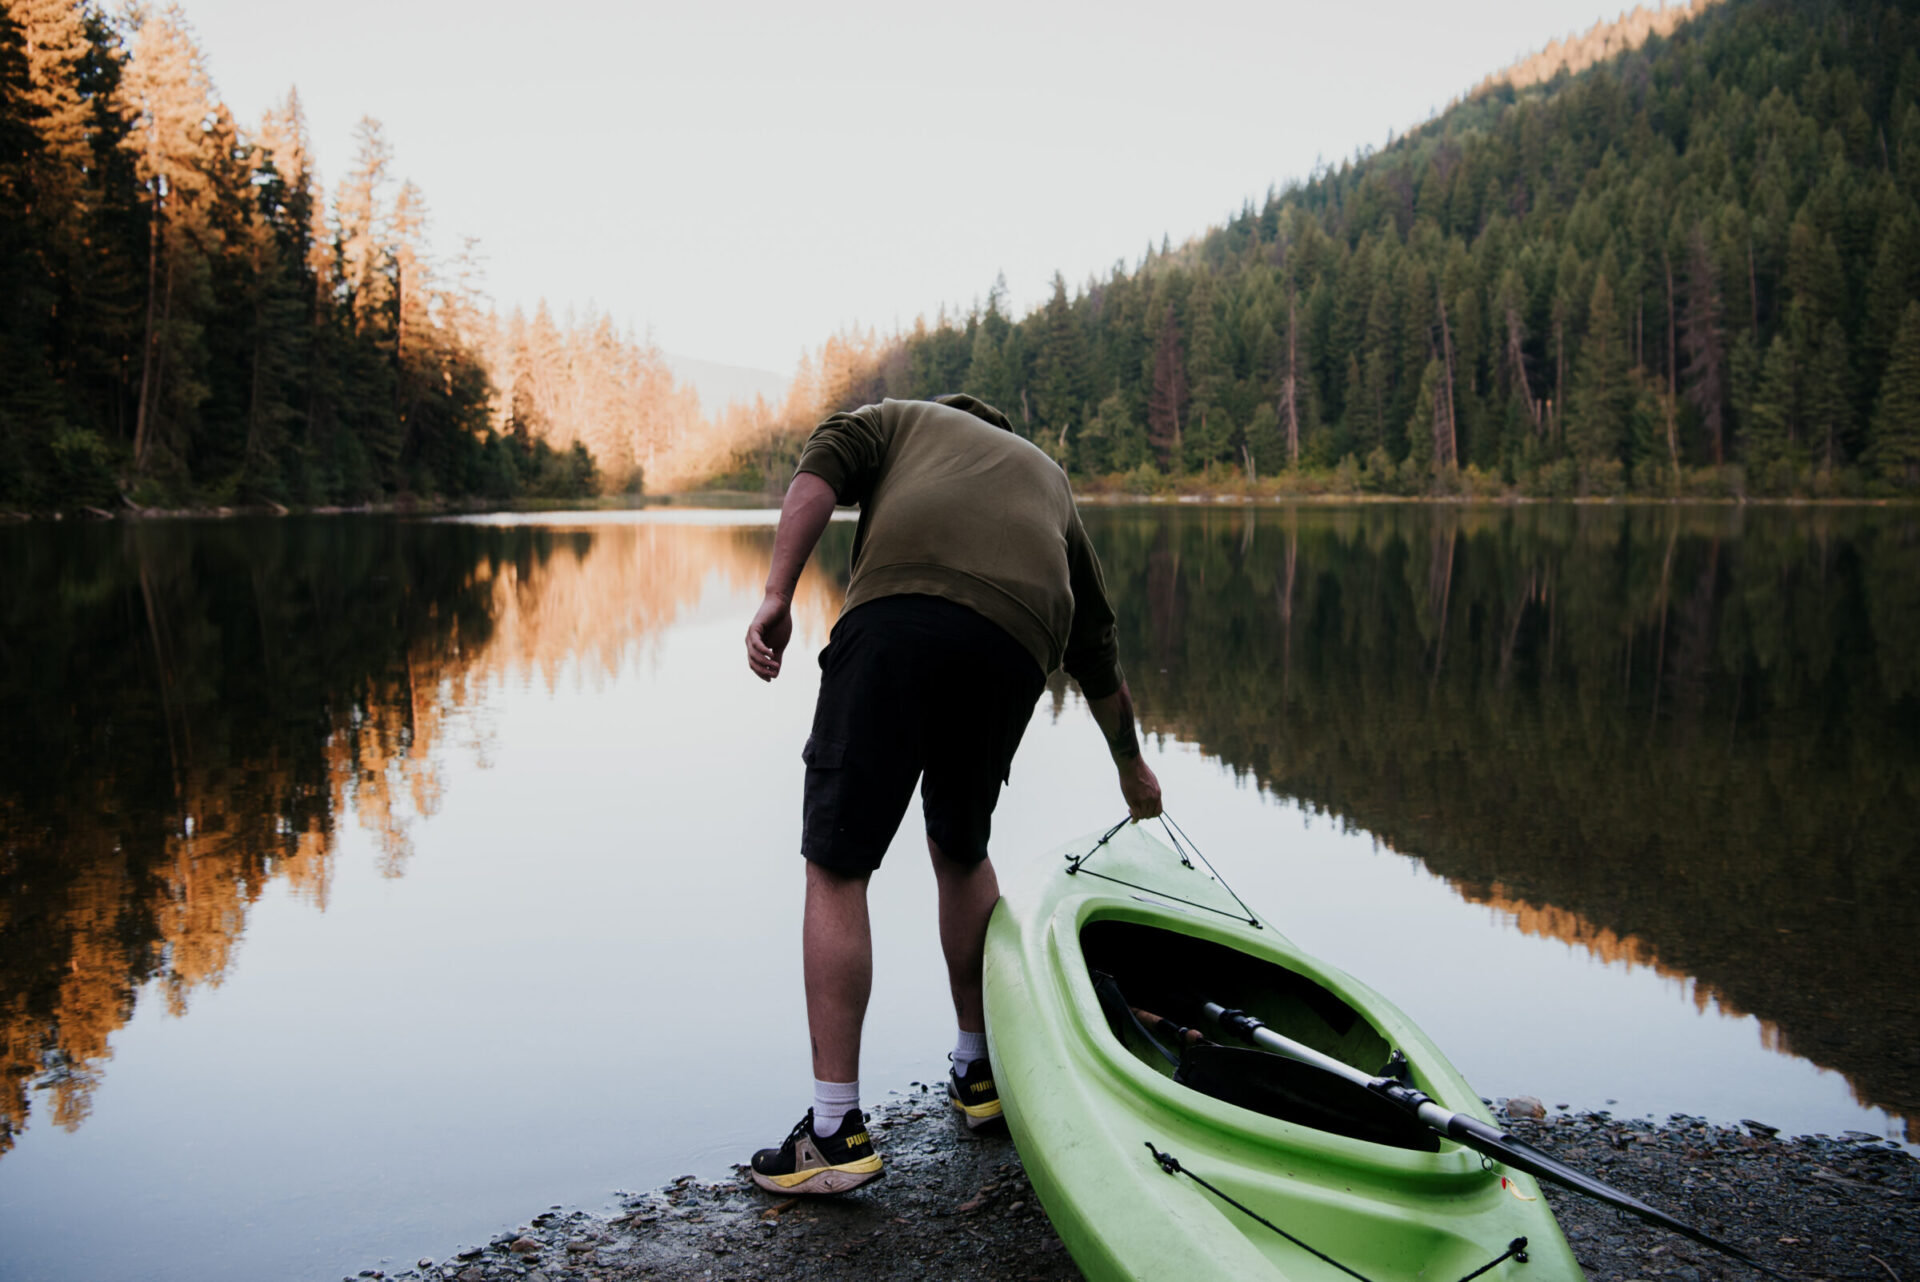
(1181, 845)
(1516, 1249)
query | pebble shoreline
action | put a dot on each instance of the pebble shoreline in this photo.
(958, 1206)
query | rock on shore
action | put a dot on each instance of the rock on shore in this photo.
(958, 1206)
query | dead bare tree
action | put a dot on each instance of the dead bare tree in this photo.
(1446, 441)
(1289, 387)
(1517, 360)
(1673, 385)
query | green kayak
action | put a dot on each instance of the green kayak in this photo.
(1158, 1150)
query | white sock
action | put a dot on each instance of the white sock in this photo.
(966, 1049)
(832, 1101)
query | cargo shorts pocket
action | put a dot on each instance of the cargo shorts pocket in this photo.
(823, 753)
(825, 789)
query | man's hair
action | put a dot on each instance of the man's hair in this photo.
(978, 408)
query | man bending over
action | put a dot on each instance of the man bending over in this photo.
(972, 579)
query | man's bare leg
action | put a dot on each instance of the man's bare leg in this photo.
(837, 963)
(968, 893)
(831, 1151)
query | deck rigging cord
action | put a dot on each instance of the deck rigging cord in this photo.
(1516, 1249)
(1181, 845)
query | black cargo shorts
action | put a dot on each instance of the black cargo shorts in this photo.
(912, 689)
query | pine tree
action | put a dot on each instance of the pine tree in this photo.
(1381, 355)
(21, 280)
(1894, 450)
(1207, 367)
(360, 220)
(1830, 397)
(1894, 280)
(1111, 441)
(987, 369)
(419, 376)
(1703, 338)
(50, 158)
(1167, 401)
(1062, 366)
(54, 39)
(65, 200)
(1360, 429)
(1602, 394)
(283, 300)
(1773, 437)
(1429, 407)
(167, 85)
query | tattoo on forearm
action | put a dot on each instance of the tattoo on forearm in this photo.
(1121, 741)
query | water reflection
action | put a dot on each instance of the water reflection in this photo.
(191, 708)
(1683, 739)
(1688, 739)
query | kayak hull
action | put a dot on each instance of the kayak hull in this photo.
(1084, 1102)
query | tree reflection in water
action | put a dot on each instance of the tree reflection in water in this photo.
(1685, 738)
(193, 707)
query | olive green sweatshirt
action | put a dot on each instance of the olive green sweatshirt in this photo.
(954, 507)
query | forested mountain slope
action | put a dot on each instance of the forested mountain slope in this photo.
(1694, 267)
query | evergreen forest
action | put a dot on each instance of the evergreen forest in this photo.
(1677, 257)
(187, 318)
(1691, 268)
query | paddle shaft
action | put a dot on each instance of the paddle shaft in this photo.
(1440, 1119)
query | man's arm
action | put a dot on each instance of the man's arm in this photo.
(803, 515)
(1093, 660)
(1114, 714)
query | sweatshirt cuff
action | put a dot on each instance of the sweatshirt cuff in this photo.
(1099, 682)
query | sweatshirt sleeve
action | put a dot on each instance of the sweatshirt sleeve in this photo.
(846, 452)
(1093, 642)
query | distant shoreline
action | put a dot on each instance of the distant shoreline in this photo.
(1470, 500)
(387, 507)
(747, 500)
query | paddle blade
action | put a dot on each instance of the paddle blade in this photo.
(1522, 1156)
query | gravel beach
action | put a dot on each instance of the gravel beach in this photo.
(958, 1206)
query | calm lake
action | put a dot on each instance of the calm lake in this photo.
(369, 884)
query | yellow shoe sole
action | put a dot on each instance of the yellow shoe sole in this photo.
(823, 1179)
(978, 1115)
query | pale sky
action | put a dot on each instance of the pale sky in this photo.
(740, 181)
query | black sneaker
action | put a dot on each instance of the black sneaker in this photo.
(811, 1163)
(974, 1094)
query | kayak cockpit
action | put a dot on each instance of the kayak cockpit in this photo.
(1152, 983)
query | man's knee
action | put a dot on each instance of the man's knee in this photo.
(958, 839)
(820, 877)
(948, 870)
